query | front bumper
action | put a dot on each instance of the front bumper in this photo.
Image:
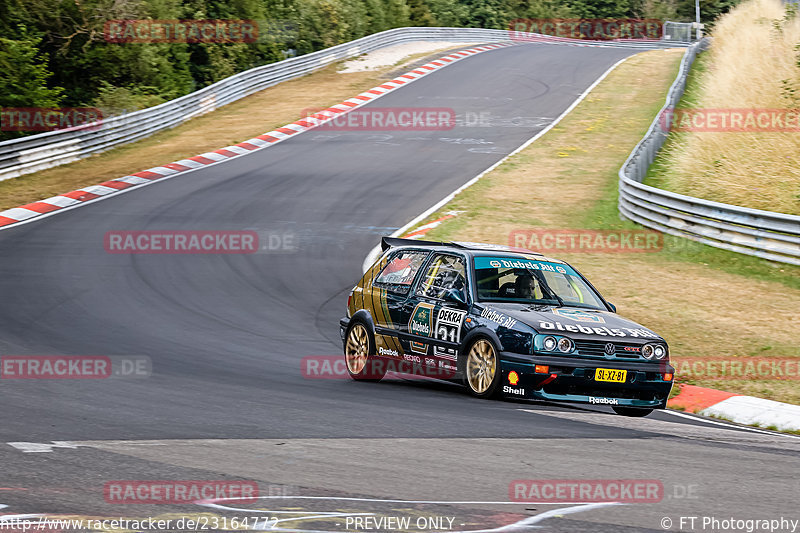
(571, 379)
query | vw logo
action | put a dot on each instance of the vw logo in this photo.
(609, 349)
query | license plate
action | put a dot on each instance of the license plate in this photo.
(614, 376)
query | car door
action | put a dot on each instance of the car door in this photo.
(388, 296)
(436, 323)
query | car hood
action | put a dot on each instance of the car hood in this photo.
(574, 322)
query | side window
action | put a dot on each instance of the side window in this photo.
(399, 273)
(445, 272)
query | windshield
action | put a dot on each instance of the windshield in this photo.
(508, 279)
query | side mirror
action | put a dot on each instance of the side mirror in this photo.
(455, 296)
(612, 306)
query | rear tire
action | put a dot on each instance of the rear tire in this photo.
(359, 354)
(631, 411)
(482, 369)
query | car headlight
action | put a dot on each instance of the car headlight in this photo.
(549, 344)
(654, 351)
(552, 344)
(659, 351)
(648, 351)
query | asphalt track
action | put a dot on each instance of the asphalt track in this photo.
(226, 334)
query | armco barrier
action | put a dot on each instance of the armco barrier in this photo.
(773, 236)
(37, 152)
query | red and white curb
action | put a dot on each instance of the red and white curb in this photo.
(524, 37)
(737, 408)
(49, 206)
(425, 228)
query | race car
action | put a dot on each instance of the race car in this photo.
(504, 322)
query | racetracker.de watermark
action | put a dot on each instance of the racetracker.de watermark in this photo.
(586, 490)
(50, 118)
(75, 366)
(589, 29)
(335, 367)
(730, 368)
(172, 492)
(199, 242)
(587, 240)
(384, 119)
(180, 31)
(730, 120)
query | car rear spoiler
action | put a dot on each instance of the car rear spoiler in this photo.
(392, 242)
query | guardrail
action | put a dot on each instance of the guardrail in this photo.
(773, 236)
(38, 152)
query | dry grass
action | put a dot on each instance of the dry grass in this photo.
(557, 181)
(752, 64)
(231, 124)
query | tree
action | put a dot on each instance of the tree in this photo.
(656, 9)
(709, 9)
(449, 13)
(596, 9)
(24, 76)
(420, 14)
(487, 14)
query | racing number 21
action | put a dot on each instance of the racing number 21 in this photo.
(446, 333)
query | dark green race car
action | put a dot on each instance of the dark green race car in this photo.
(503, 321)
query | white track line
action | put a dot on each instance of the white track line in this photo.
(373, 255)
(728, 425)
(211, 502)
(529, 522)
(15, 517)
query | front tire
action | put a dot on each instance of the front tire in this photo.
(359, 354)
(631, 411)
(482, 369)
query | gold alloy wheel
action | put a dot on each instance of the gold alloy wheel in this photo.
(357, 349)
(481, 366)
